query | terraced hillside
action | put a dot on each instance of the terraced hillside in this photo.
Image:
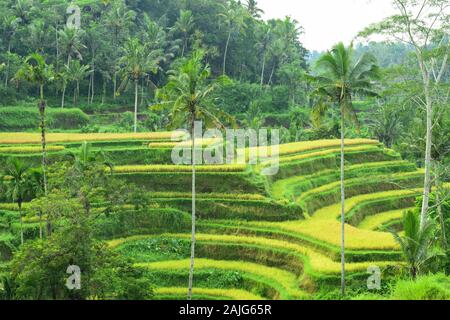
(258, 237)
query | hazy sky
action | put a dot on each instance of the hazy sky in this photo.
(327, 22)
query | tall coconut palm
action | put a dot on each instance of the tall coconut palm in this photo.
(264, 32)
(188, 97)
(137, 61)
(35, 70)
(17, 185)
(233, 16)
(416, 243)
(253, 10)
(339, 78)
(70, 40)
(77, 72)
(184, 25)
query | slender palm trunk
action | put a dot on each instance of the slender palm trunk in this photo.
(226, 53)
(191, 268)
(7, 65)
(104, 92)
(21, 222)
(135, 104)
(427, 179)
(184, 46)
(263, 69)
(439, 211)
(40, 224)
(115, 85)
(43, 140)
(271, 75)
(342, 203)
(63, 96)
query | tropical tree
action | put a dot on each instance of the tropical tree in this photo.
(188, 97)
(339, 78)
(253, 10)
(416, 243)
(9, 25)
(233, 16)
(184, 25)
(77, 72)
(423, 26)
(262, 45)
(17, 186)
(70, 41)
(137, 61)
(35, 70)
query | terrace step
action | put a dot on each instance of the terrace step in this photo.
(376, 221)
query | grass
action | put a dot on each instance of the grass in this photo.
(35, 138)
(376, 221)
(179, 168)
(284, 282)
(226, 294)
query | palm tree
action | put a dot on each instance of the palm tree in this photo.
(253, 10)
(77, 72)
(63, 78)
(188, 97)
(416, 242)
(37, 71)
(34, 187)
(9, 24)
(70, 40)
(137, 61)
(17, 185)
(233, 15)
(263, 44)
(340, 77)
(184, 25)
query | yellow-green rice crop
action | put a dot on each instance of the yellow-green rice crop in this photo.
(188, 143)
(35, 138)
(375, 221)
(283, 280)
(232, 294)
(305, 146)
(238, 196)
(319, 262)
(179, 168)
(29, 149)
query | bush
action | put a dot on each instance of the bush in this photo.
(432, 287)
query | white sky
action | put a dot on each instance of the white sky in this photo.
(326, 22)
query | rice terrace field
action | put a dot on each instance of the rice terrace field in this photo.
(215, 150)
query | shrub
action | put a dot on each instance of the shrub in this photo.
(432, 287)
(26, 118)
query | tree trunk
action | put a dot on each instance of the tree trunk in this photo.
(184, 46)
(78, 92)
(342, 202)
(429, 121)
(191, 268)
(104, 92)
(21, 222)
(226, 52)
(7, 65)
(93, 80)
(263, 69)
(43, 141)
(135, 104)
(271, 75)
(115, 85)
(40, 224)
(440, 213)
(63, 96)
